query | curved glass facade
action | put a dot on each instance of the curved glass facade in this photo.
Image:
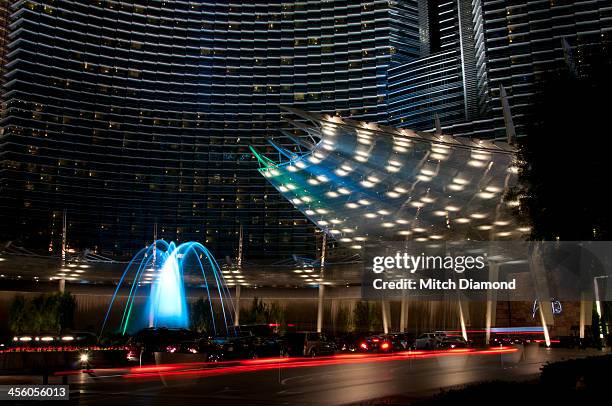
(130, 114)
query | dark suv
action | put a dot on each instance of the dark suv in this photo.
(144, 344)
(241, 346)
(309, 344)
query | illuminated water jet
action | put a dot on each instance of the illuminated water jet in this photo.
(160, 271)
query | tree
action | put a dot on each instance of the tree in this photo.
(367, 316)
(256, 314)
(18, 315)
(262, 313)
(564, 158)
(201, 316)
(66, 307)
(45, 313)
(275, 314)
(344, 322)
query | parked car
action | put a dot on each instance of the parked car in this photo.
(144, 344)
(267, 341)
(271, 346)
(205, 347)
(376, 344)
(242, 346)
(349, 342)
(509, 340)
(259, 330)
(429, 341)
(309, 344)
(208, 347)
(401, 341)
(452, 342)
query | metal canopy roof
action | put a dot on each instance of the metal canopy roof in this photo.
(362, 181)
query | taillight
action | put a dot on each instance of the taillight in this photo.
(384, 346)
(363, 346)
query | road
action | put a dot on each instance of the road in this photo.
(335, 380)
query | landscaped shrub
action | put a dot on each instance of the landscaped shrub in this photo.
(45, 313)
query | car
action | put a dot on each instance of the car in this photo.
(452, 342)
(429, 341)
(267, 341)
(376, 344)
(509, 340)
(143, 345)
(401, 341)
(205, 347)
(258, 330)
(242, 346)
(349, 342)
(308, 344)
(271, 346)
(250, 341)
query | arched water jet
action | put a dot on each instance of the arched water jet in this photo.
(160, 270)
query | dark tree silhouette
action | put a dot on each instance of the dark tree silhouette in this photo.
(367, 316)
(262, 313)
(201, 318)
(46, 313)
(565, 158)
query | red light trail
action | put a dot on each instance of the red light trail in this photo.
(205, 369)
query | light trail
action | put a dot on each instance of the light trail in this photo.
(217, 369)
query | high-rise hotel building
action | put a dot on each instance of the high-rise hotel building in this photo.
(134, 119)
(130, 117)
(443, 80)
(522, 40)
(474, 47)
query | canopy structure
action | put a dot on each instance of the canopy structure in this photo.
(362, 181)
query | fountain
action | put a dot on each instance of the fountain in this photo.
(160, 271)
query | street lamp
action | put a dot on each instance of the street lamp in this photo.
(598, 302)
